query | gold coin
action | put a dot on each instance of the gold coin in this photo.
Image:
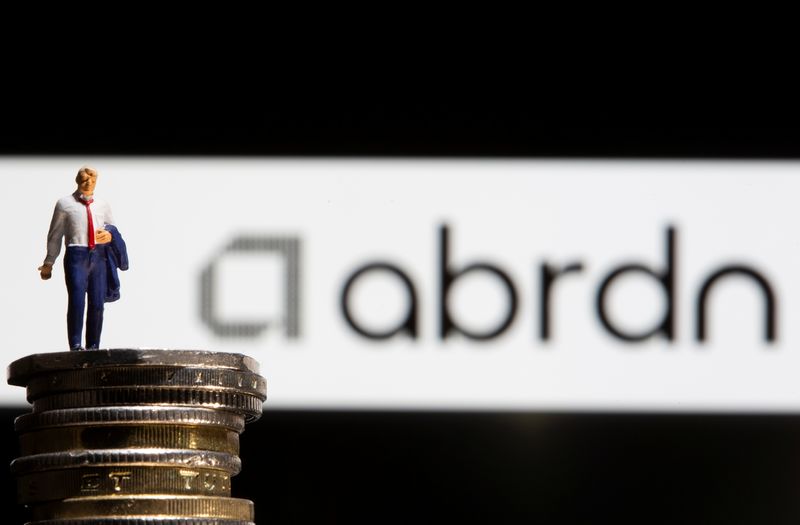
(146, 505)
(121, 480)
(130, 457)
(216, 439)
(142, 521)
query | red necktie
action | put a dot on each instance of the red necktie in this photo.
(89, 219)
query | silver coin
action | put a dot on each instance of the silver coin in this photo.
(164, 376)
(21, 370)
(113, 457)
(247, 405)
(140, 521)
(135, 415)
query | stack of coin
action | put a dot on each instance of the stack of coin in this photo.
(130, 437)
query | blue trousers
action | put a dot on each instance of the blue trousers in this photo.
(85, 273)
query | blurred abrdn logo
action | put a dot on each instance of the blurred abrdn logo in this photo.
(449, 272)
(288, 249)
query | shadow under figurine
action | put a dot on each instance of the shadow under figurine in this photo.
(94, 251)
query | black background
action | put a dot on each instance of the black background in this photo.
(421, 467)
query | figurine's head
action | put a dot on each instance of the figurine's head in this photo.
(86, 179)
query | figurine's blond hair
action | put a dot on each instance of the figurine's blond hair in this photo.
(90, 170)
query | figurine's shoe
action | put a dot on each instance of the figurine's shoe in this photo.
(76, 348)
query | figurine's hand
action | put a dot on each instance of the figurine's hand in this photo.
(46, 271)
(102, 237)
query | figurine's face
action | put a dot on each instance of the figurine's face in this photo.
(87, 181)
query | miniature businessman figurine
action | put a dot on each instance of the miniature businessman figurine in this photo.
(95, 250)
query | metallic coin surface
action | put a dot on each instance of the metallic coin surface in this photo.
(57, 439)
(245, 404)
(146, 505)
(21, 370)
(141, 521)
(134, 437)
(121, 480)
(129, 415)
(144, 457)
(223, 379)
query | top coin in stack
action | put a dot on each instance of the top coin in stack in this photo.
(177, 378)
(21, 370)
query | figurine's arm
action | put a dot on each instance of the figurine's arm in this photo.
(54, 240)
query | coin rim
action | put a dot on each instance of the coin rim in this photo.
(230, 463)
(62, 439)
(156, 505)
(133, 415)
(83, 379)
(59, 484)
(233, 401)
(140, 521)
(19, 371)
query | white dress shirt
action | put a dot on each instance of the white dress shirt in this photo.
(71, 224)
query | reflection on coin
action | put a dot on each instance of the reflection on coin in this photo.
(22, 369)
(121, 480)
(248, 405)
(111, 457)
(129, 416)
(147, 505)
(57, 439)
(198, 378)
